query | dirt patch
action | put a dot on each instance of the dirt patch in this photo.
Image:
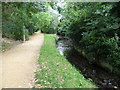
(19, 63)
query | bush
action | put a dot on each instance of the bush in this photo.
(95, 31)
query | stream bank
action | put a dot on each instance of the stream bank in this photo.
(100, 76)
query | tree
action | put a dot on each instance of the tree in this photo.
(94, 31)
(19, 19)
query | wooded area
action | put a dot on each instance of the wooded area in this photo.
(92, 27)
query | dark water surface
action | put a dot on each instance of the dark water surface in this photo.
(100, 77)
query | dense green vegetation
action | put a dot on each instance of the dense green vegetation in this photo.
(94, 30)
(55, 71)
(19, 20)
(92, 27)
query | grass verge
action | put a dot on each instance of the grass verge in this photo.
(6, 44)
(55, 71)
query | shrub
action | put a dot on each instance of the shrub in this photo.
(96, 32)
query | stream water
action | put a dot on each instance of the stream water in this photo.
(100, 76)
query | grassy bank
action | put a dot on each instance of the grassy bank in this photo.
(56, 71)
(6, 44)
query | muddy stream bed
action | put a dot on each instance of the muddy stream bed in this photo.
(100, 76)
